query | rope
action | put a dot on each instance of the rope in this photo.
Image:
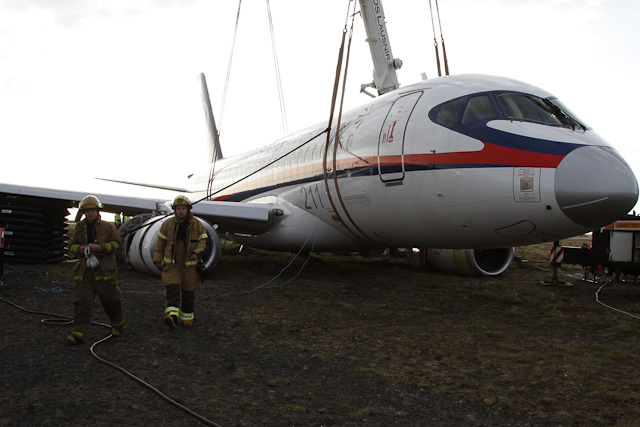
(264, 285)
(283, 112)
(226, 82)
(212, 172)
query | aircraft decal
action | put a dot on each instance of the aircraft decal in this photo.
(490, 156)
(517, 142)
(526, 185)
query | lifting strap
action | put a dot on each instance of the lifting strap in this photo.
(336, 138)
(435, 42)
(444, 51)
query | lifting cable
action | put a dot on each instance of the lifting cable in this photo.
(283, 112)
(224, 100)
(209, 196)
(212, 172)
(226, 82)
(62, 320)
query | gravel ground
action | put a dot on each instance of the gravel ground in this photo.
(351, 341)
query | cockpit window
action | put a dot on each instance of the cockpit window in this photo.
(449, 113)
(530, 108)
(519, 106)
(478, 108)
(504, 105)
(572, 118)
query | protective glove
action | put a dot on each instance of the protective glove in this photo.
(92, 260)
(201, 269)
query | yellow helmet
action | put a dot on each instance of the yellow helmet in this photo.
(90, 202)
(181, 200)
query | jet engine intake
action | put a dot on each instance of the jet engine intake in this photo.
(139, 246)
(467, 262)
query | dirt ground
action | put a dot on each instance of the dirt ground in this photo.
(351, 341)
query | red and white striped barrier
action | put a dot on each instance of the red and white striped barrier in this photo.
(557, 255)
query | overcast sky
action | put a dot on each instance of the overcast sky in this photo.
(108, 88)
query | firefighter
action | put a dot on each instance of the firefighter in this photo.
(181, 240)
(95, 243)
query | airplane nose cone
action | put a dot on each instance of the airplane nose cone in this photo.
(594, 186)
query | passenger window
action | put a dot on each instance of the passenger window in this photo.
(478, 108)
(449, 113)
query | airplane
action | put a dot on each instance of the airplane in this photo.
(466, 166)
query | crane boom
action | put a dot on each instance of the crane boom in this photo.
(385, 65)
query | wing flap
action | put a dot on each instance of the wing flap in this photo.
(248, 218)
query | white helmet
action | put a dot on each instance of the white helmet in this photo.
(90, 202)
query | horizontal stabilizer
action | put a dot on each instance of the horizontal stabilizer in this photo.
(141, 184)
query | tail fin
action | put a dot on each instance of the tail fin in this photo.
(215, 152)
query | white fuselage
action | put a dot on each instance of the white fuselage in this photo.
(406, 180)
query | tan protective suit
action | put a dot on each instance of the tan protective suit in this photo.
(179, 274)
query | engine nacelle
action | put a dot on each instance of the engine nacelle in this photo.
(140, 245)
(468, 262)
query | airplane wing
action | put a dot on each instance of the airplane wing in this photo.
(250, 218)
(124, 204)
(34, 218)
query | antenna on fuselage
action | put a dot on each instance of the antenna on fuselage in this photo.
(385, 65)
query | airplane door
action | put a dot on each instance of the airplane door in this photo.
(391, 141)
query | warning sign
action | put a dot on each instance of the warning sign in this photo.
(526, 184)
(557, 255)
